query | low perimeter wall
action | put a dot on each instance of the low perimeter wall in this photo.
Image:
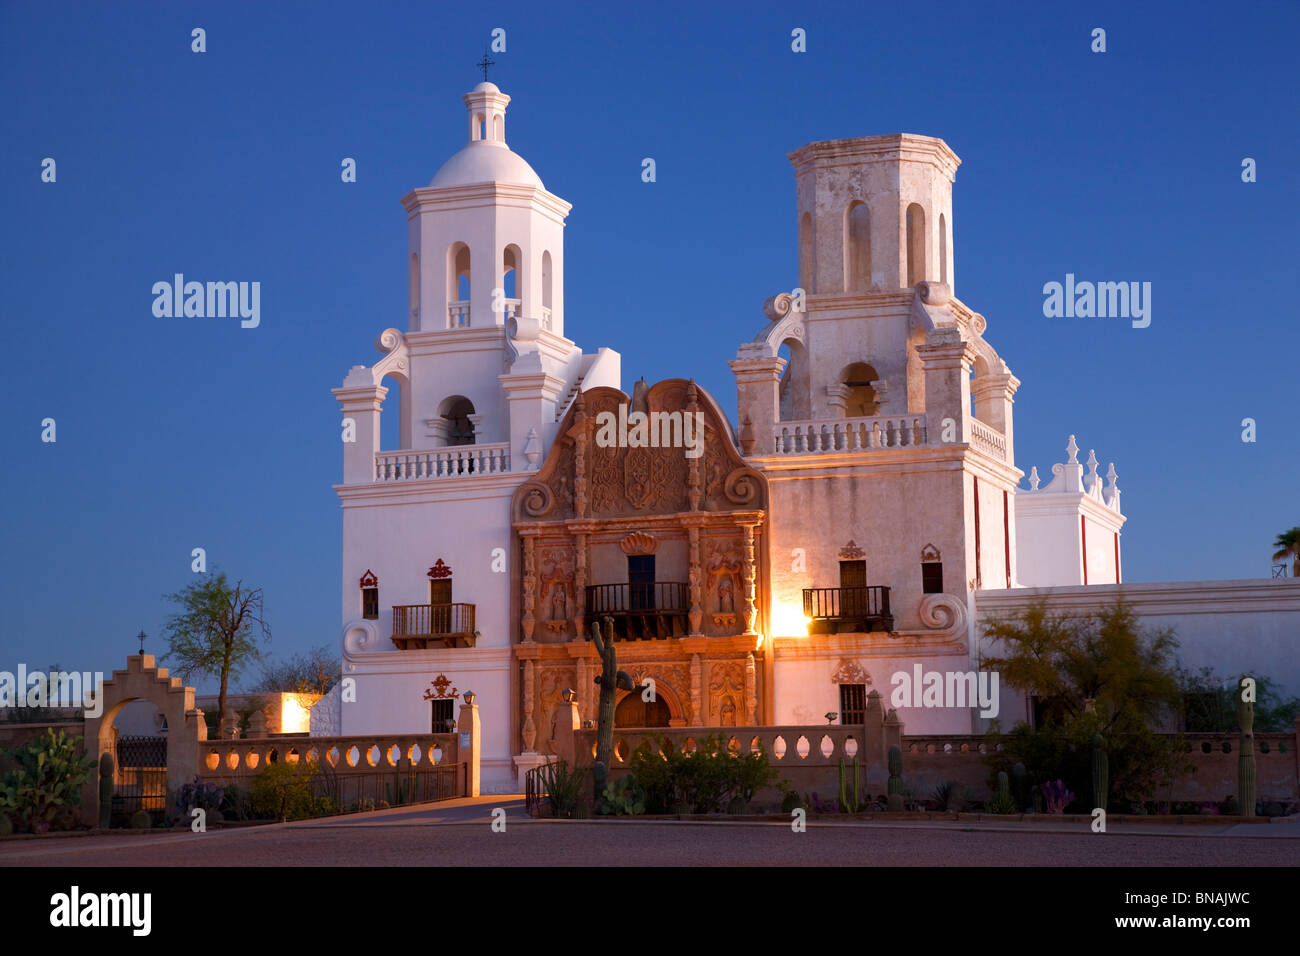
(808, 758)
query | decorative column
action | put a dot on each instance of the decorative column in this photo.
(693, 464)
(751, 690)
(748, 574)
(586, 681)
(528, 621)
(530, 726)
(360, 400)
(697, 680)
(695, 576)
(580, 590)
(837, 398)
(579, 436)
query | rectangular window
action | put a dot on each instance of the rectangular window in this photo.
(932, 577)
(853, 703)
(370, 603)
(443, 721)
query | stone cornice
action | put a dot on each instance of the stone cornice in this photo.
(906, 644)
(426, 491)
(1262, 595)
(443, 659)
(485, 194)
(894, 147)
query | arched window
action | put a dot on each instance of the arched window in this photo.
(805, 252)
(511, 279)
(857, 248)
(861, 401)
(943, 248)
(415, 292)
(496, 127)
(915, 244)
(546, 290)
(795, 397)
(456, 412)
(458, 274)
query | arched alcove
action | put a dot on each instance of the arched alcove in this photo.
(795, 396)
(512, 280)
(806, 252)
(943, 248)
(458, 287)
(861, 400)
(456, 411)
(857, 247)
(915, 244)
(415, 292)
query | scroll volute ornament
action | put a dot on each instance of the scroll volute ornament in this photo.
(638, 542)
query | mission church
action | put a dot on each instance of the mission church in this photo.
(775, 570)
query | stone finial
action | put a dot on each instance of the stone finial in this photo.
(532, 449)
(1073, 450)
(747, 439)
(1092, 480)
(1034, 480)
(1111, 479)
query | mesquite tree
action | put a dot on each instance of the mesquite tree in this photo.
(216, 631)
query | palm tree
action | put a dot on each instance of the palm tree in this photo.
(1288, 545)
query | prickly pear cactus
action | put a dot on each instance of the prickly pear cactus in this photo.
(1245, 752)
(1100, 773)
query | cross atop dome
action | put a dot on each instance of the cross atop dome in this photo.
(484, 63)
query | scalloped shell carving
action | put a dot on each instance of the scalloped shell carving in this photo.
(638, 542)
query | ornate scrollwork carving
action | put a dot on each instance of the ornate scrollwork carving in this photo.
(934, 293)
(944, 613)
(537, 499)
(741, 487)
(360, 636)
(778, 306)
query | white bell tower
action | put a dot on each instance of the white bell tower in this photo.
(486, 238)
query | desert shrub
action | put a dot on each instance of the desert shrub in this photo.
(283, 790)
(563, 787)
(706, 781)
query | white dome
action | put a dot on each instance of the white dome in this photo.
(482, 162)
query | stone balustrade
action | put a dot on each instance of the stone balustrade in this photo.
(848, 434)
(451, 461)
(988, 440)
(364, 754)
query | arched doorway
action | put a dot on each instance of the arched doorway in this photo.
(632, 711)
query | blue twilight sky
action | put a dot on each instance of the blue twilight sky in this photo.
(180, 433)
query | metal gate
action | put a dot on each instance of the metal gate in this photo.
(139, 778)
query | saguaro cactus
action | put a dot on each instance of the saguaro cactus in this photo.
(611, 680)
(106, 790)
(1245, 752)
(1004, 785)
(1100, 773)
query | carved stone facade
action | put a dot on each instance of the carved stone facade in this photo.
(681, 512)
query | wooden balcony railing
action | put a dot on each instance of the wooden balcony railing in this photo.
(419, 626)
(861, 609)
(644, 611)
